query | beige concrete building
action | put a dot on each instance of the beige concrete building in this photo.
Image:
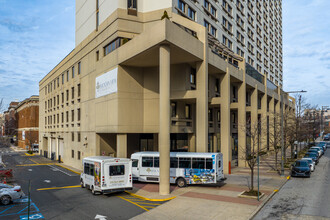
(136, 82)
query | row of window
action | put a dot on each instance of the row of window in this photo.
(56, 118)
(55, 101)
(64, 77)
(181, 162)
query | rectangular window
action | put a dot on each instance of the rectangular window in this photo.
(72, 153)
(67, 116)
(58, 118)
(78, 114)
(45, 120)
(67, 95)
(185, 163)
(72, 136)
(117, 170)
(67, 75)
(131, 4)
(156, 161)
(79, 68)
(72, 72)
(62, 97)
(198, 163)
(97, 55)
(193, 78)
(78, 155)
(62, 114)
(210, 114)
(72, 115)
(97, 19)
(112, 46)
(213, 31)
(147, 162)
(191, 14)
(72, 92)
(78, 136)
(174, 162)
(181, 5)
(63, 78)
(78, 90)
(58, 99)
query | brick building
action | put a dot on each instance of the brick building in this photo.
(10, 128)
(28, 121)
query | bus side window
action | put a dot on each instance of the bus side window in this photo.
(184, 162)
(135, 163)
(219, 163)
(91, 169)
(174, 162)
(147, 161)
(156, 161)
(198, 163)
(86, 168)
(209, 163)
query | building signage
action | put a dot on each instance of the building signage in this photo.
(23, 135)
(106, 83)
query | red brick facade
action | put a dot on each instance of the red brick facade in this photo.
(28, 122)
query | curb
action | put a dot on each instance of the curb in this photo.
(29, 155)
(153, 200)
(67, 169)
(268, 198)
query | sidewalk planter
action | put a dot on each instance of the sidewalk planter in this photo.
(243, 195)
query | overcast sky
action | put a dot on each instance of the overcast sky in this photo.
(35, 35)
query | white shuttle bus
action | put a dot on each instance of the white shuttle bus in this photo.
(105, 174)
(185, 167)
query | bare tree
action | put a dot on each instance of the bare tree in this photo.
(253, 146)
(275, 134)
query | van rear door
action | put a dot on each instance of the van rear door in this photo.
(118, 174)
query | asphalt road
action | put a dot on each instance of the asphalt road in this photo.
(302, 198)
(69, 203)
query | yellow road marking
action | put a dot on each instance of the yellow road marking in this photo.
(33, 164)
(34, 161)
(61, 187)
(153, 200)
(133, 203)
(150, 207)
(149, 203)
(67, 169)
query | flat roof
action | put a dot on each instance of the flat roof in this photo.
(177, 154)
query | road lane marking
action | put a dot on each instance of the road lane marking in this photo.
(34, 161)
(60, 187)
(61, 170)
(133, 203)
(68, 169)
(149, 203)
(33, 164)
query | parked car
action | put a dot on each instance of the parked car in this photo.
(9, 193)
(328, 145)
(316, 151)
(301, 168)
(310, 162)
(321, 144)
(326, 138)
(313, 156)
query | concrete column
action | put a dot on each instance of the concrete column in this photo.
(49, 147)
(215, 142)
(271, 116)
(164, 119)
(202, 107)
(225, 123)
(263, 138)
(122, 145)
(98, 145)
(192, 142)
(241, 123)
(57, 149)
(254, 107)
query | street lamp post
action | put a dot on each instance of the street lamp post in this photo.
(282, 129)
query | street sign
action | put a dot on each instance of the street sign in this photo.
(32, 217)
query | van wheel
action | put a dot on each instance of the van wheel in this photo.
(82, 184)
(93, 191)
(181, 182)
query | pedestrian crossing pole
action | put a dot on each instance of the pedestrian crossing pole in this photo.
(29, 199)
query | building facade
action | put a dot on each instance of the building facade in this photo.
(28, 122)
(137, 81)
(10, 128)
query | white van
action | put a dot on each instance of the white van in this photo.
(105, 174)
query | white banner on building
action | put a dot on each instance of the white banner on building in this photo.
(106, 83)
(23, 135)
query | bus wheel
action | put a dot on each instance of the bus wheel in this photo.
(181, 182)
(82, 184)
